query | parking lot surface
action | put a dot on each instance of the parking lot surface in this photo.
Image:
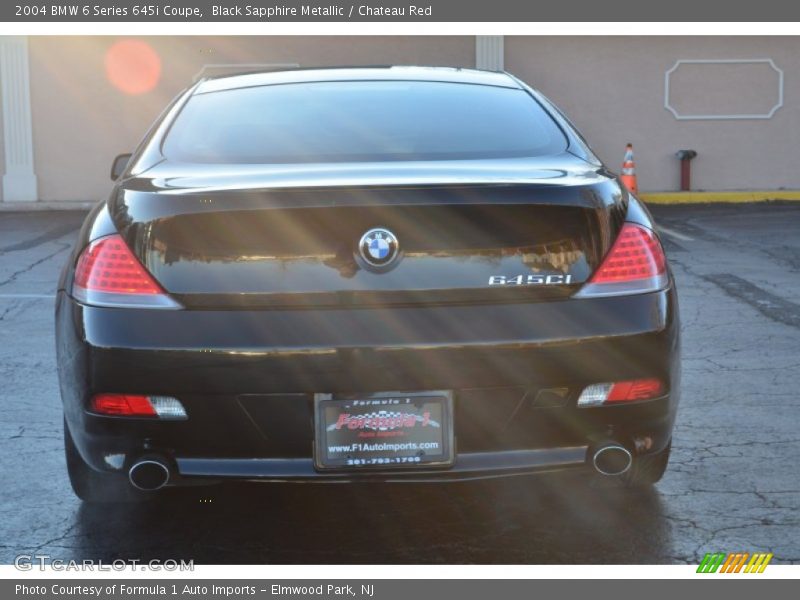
(733, 483)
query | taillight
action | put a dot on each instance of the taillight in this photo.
(635, 264)
(108, 274)
(599, 394)
(134, 405)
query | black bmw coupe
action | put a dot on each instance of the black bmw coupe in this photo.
(393, 274)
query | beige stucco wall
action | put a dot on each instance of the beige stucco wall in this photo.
(611, 87)
(2, 148)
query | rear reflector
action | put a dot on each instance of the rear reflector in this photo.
(635, 264)
(639, 389)
(133, 405)
(108, 274)
(599, 394)
(124, 405)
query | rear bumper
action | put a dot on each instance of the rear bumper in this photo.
(247, 379)
(469, 466)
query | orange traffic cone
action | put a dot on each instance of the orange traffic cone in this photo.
(628, 176)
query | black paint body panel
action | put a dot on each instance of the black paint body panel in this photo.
(247, 378)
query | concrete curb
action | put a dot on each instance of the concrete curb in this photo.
(43, 206)
(648, 197)
(720, 197)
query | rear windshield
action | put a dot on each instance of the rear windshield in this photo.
(356, 121)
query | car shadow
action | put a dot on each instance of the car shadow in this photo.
(543, 519)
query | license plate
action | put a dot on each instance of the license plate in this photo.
(384, 431)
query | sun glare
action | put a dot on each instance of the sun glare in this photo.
(133, 66)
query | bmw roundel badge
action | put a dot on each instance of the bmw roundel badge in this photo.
(378, 247)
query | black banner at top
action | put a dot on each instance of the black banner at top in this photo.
(398, 11)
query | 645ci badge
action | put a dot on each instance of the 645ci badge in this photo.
(536, 279)
(386, 430)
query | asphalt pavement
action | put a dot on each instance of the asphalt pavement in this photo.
(733, 483)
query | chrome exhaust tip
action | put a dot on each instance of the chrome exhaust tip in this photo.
(612, 459)
(149, 474)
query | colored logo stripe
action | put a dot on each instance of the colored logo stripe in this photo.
(734, 562)
(711, 563)
(759, 561)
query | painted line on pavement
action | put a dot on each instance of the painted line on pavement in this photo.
(23, 296)
(675, 234)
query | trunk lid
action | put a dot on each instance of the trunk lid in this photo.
(288, 236)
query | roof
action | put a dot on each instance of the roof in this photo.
(392, 73)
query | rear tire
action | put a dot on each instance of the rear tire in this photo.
(94, 486)
(648, 469)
